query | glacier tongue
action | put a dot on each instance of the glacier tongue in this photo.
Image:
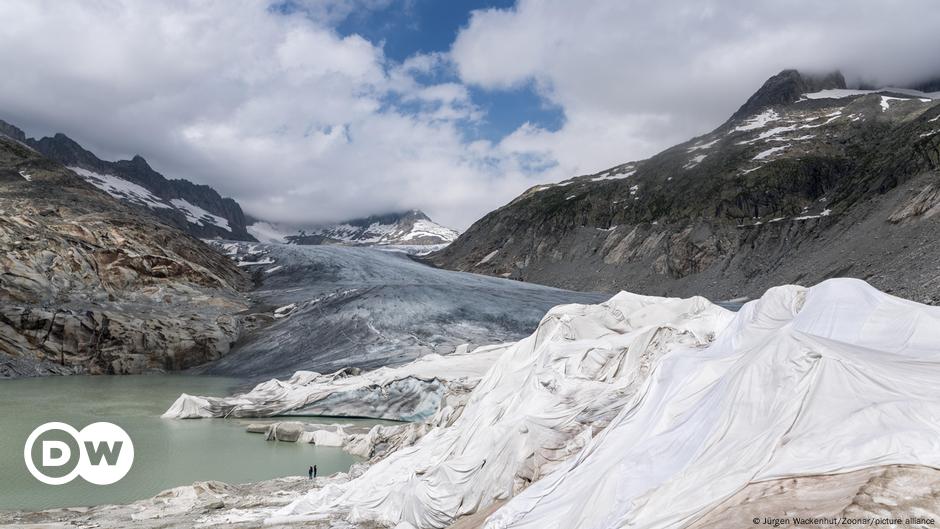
(411, 392)
(638, 412)
(540, 403)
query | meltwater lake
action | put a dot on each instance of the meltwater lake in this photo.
(168, 452)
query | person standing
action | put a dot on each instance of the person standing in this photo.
(314, 472)
(311, 472)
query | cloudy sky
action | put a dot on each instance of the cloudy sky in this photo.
(315, 110)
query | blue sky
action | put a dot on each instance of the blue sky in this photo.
(405, 28)
(409, 27)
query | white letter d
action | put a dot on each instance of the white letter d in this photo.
(50, 460)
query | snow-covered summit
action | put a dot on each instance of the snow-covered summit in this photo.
(411, 228)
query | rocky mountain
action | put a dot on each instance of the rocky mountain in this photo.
(808, 180)
(197, 209)
(92, 284)
(409, 228)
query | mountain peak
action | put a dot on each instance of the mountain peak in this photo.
(409, 228)
(388, 218)
(786, 87)
(137, 163)
(64, 150)
(12, 131)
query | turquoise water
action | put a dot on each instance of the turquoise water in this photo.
(168, 452)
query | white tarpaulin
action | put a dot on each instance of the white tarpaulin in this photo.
(544, 398)
(825, 380)
(647, 412)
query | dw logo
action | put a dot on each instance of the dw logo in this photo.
(102, 453)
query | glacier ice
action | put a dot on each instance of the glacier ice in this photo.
(650, 412)
(411, 392)
(541, 401)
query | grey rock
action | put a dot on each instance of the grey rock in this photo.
(823, 188)
(68, 152)
(91, 285)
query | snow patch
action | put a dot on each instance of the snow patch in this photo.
(121, 189)
(886, 102)
(487, 258)
(757, 122)
(426, 228)
(769, 152)
(694, 161)
(198, 216)
(701, 146)
(769, 134)
(614, 176)
(837, 93)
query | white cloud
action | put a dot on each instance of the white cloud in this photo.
(634, 77)
(275, 109)
(301, 124)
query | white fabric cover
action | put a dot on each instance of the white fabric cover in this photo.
(826, 380)
(541, 402)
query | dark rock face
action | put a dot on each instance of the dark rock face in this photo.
(91, 285)
(785, 88)
(12, 132)
(929, 85)
(69, 153)
(795, 192)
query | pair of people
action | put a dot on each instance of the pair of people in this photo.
(312, 472)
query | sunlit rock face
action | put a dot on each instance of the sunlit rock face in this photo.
(93, 285)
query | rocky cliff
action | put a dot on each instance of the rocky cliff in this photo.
(808, 180)
(196, 209)
(91, 284)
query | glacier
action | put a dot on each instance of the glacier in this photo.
(411, 392)
(646, 412)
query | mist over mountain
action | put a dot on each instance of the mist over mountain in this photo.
(807, 180)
